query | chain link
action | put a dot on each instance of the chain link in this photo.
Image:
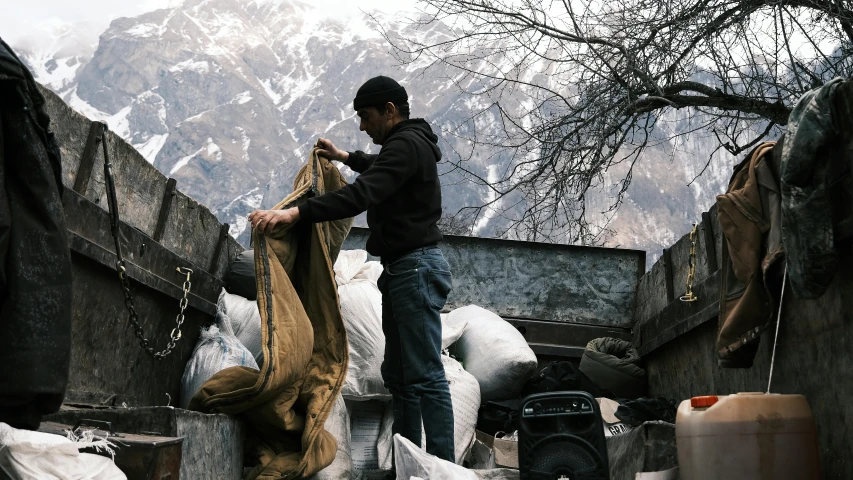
(133, 318)
(691, 271)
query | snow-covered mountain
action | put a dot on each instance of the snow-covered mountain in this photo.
(227, 96)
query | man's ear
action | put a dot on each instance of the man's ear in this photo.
(390, 109)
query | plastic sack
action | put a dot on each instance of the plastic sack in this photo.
(450, 333)
(411, 461)
(217, 349)
(339, 426)
(361, 310)
(245, 321)
(494, 352)
(26, 455)
(465, 397)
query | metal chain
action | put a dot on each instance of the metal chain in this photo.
(691, 271)
(121, 268)
(133, 318)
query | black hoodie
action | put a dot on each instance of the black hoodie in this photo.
(399, 188)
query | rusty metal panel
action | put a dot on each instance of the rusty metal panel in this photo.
(539, 281)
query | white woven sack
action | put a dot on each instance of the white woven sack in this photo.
(245, 320)
(465, 397)
(338, 425)
(27, 455)
(494, 352)
(450, 333)
(216, 350)
(361, 310)
(411, 461)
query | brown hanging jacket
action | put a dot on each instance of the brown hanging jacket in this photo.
(749, 214)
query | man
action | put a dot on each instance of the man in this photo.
(400, 190)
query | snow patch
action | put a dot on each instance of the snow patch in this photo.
(183, 162)
(192, 66)
(490, 211)
(267, 84)
(246, 142)
(152, 147)
(213, 150)
(252, 200)
(145, 30)
(242, 98)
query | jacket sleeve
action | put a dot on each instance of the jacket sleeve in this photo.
(360, 161)
(389, 170)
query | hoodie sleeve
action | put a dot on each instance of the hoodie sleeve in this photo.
(359, 161)
(389, 170)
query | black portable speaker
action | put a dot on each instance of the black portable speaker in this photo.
(561, 437)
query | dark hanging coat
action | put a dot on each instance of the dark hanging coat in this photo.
(35, 264)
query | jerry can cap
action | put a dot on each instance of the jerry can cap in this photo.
(702, 402)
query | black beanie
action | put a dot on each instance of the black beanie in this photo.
(378, 91)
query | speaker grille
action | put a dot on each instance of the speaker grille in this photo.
(565, 456)
(561, 437)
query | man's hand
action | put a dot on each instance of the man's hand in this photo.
(327, 149)
(266, 220)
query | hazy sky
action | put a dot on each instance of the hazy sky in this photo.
(28, 18)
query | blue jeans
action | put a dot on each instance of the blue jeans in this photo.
(414, 289)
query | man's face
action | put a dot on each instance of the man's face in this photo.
(375, 122)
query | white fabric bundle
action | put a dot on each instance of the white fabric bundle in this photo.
(494, 352)
(412, 462)
(27, 455)
(217, 349)
(361, 309)
(245, 321)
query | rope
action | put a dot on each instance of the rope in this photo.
(778, 321)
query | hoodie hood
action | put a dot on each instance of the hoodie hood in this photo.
(419, 128)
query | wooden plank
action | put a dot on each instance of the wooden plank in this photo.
(220, 246)
(708, 231)
(191, 231)
(667, 265)
(107, 258)
(87, 160)
(679, 317)
(105, 352)
(71, 131)
(148, 262)
(165, 208)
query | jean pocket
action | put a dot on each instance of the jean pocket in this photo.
(439, 285)
(403, 265)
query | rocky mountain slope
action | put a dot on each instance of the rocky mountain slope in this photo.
(227, 96)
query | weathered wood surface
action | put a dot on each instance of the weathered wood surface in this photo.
(191, 230)
(813, 358)
(657, 320)
(212, 447)
(813, 352)
(536, 281)
(106, 360)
